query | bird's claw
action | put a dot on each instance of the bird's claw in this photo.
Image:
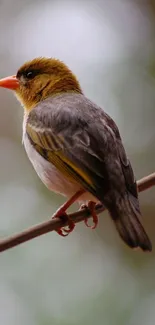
(91, 207)
(71, 225)
(61, 213)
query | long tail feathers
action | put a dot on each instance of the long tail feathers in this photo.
(126, 217)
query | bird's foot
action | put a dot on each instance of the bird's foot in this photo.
(65, 218)
(91, 207)
(61, 213)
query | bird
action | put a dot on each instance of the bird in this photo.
(76, 147)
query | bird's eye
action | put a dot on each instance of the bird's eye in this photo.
(30, 74)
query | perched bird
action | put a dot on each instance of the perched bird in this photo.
(75, 147)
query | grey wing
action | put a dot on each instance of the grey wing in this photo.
(125, 164)
(91, 142)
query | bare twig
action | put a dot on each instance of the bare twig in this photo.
(54, 224)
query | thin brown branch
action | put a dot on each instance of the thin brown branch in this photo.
(54, 224)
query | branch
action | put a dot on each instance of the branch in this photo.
(55, 224)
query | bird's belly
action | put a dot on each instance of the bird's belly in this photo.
(50, 175)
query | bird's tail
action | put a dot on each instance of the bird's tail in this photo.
(126, 215)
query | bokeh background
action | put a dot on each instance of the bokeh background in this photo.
(91, 277)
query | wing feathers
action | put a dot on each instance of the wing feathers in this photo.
(50, 147)
(81, 143)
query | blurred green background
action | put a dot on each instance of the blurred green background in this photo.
(91, 277)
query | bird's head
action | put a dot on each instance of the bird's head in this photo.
(39, 79)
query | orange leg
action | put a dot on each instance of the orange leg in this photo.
(91, 207)
(61, 213)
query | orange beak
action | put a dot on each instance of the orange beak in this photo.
(9, 82)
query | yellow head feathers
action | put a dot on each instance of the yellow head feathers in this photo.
(39, 79)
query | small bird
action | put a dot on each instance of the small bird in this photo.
(76, 148)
